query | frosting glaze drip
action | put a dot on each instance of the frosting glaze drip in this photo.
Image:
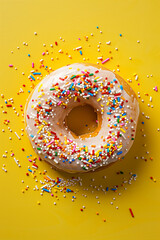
(70, 86)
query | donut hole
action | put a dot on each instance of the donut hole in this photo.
(82, 120)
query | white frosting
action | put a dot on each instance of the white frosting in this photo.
(58, 114)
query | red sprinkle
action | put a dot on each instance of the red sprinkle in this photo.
(131, 212)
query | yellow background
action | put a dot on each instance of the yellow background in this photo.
(20, 216)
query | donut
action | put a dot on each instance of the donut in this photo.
(50, 109)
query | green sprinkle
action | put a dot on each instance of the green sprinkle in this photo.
(38, 148)
(91, 74)
(132, 138)
(73, 76)
(56, 153)
(79, 158)
(51, 89)
(118, 120)
(80, 91)
(89, 89)
(95, 80)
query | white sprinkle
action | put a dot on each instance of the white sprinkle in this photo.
(17, 136)
(78, 48)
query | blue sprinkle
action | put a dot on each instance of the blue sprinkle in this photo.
(107, 188)
(80, 52)
(31, 135)
(113, 189)
(46, 190)
(91, 94)
(123, 114)
(134, 175)
(120, 35)
(118, 153)
(29, 55)
(29, 170)
(36, 73)
(121, 87)
(109, 113)
(71, 85)
(32, 77)
(68, 190)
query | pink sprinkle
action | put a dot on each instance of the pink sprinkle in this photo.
(69, 140)
(43, 53)
(59, 103)
(74, 148)
(32, 65)
(10, 65)
(106, 60)
(49, 143)
(68, 92)
(156, 88)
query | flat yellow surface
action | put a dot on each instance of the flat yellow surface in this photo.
(20, 215)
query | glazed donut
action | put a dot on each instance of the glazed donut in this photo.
(114, 102)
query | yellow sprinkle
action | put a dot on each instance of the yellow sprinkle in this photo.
(40, 128)
(40, 87)
(90, 160)
(98, 99)
(86, 149)
(122, 130)
(97, 153)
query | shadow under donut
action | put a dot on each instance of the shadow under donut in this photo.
(119, 175)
